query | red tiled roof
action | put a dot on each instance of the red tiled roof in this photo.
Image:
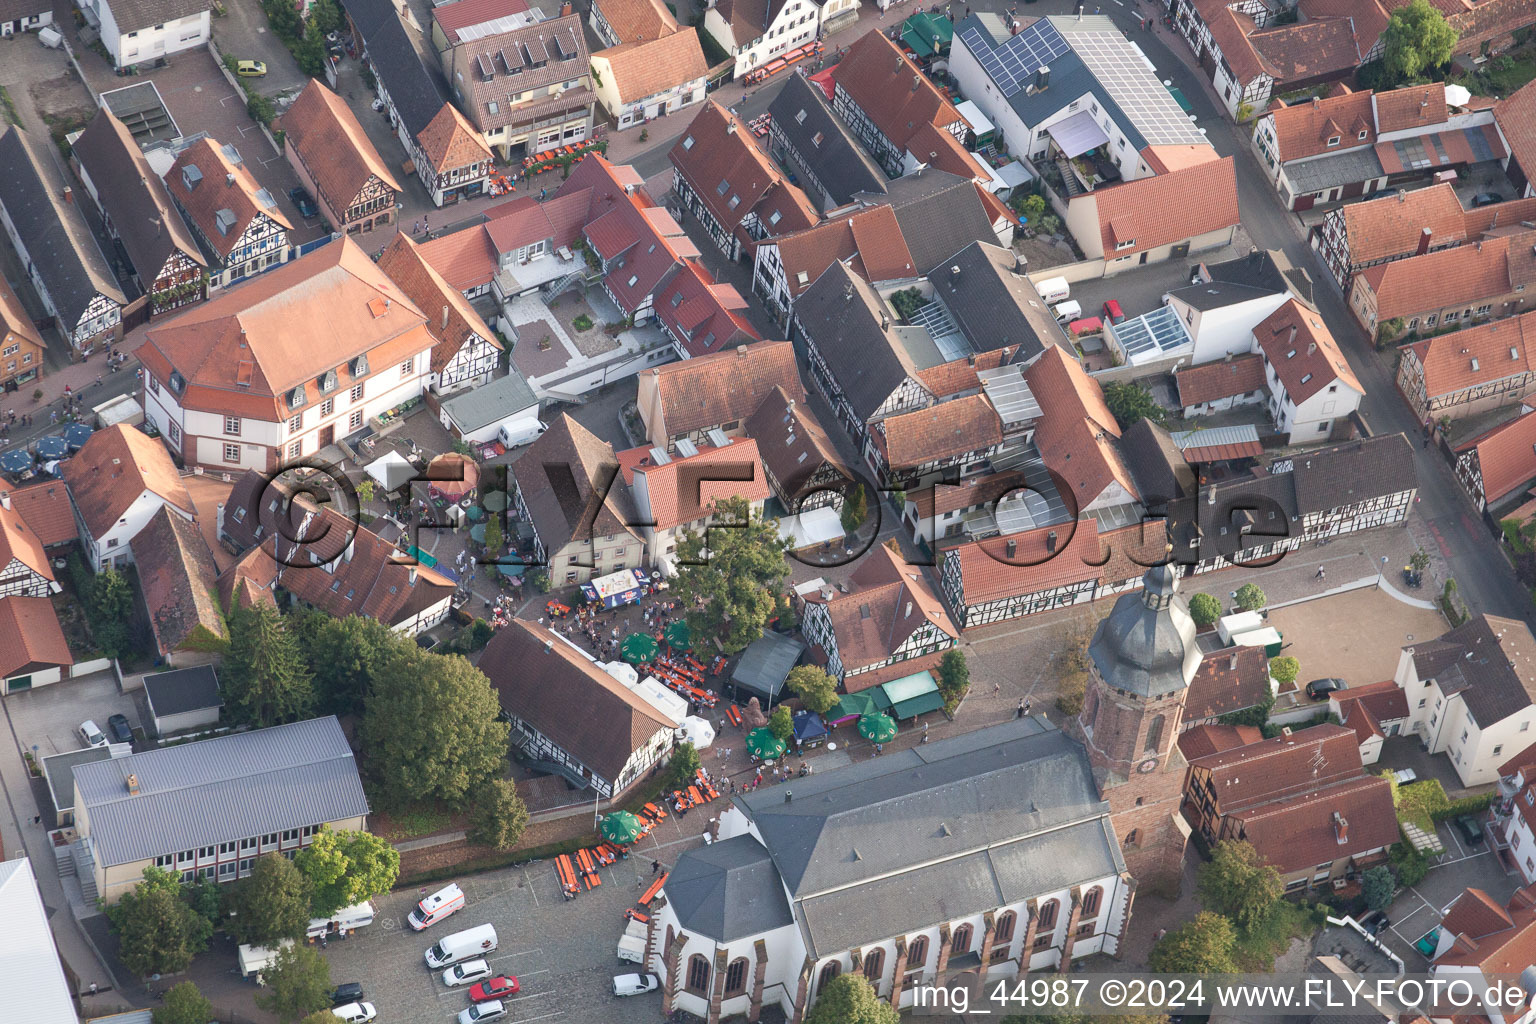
(676, 491)
(1370, 17)
(114, 467)
(703, 316)
(1466, 273)
(696, 394)
(1499, 349)
(1214, 738)
(1282, 767)
(1303, 352)
(1475, 915)
(1230, 30)
(451, 320)
(1391, 226)
(1239, 375)
(450, 142)
(1507, 950)
(1506, 456)
(982, 489)
(887, 600)
(1227, 681)
(1076, 434)
(1415, 106)
(1051, 556)
(1303, 129)
(20, 543)
(1385, 699)
(891, 90)
(1359, 718)
(718, 149)
(1308, 50)
(451, 18)
(1303, 831)
(1516, 117)
(635, 19)
(526, 220)
(466, 259)
(871, 239)
(333, 146)
(30, 636)
(178, 580)
(1151, 212)
(960, 375)
(45, 508)
(645, 68)
(1524, 760)
(940, 431)
(225, 186)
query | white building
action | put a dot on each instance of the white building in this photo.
(1224, 302)
(117, 483)
(32, 983)
(1469, 694)
(755, 34)
(142, 33)
(676, 493)
(645, 79)
(824, 875)
(1311, 385)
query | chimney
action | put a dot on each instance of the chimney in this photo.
(730, 127)
(1012, 547)
(1311, 347)
(1042, 78)
(908, 613)
(1285, 731)
(565, 8)
(885, 321)
(1291, 340)
(741, 351)
(1050, 542)
(917, 82)
(69, 194)
(412, 577)
(445, 316)
(133, 784)
(1424, 237)
(1340, 828)
(5, 500)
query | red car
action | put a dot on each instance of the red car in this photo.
(499, 987)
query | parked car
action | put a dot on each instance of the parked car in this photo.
(635, 984)
(1486, 199)
(1113, 314)
(356, 1013)
(1375, 922)
(1403, 776)
(91, 734)
(1470, 828)
(121, 731)
(349, 992)
(1322, 689)
(466, 972)
(499, 987)
(250, 68)
(493, 1010)
(304, 201)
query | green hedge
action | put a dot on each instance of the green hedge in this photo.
(1466, 805)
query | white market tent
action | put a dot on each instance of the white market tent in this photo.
(392, 470)
(697, 731)
(817, 526)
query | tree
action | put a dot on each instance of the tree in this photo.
(320, 1017)
(1202, 946)
(816, 689)
(683, 766)
(730, 575)
(1250, 598)
(1284, 670)
(365, 485)
(1416, 39)
(345, 868)
(1378, 887)
(954, 677)
(183, 1004)
(266, 680)
(1130, 403)
(110, 603)
(850, 999)
(1239, 885)
(270, 905)
(431, 728)
(493, 536)
(855, 511)
(158, 931)
(497, 815)
(343, 655)
(297, 984)
(1204, 609)
(782, 723)
(325, 17)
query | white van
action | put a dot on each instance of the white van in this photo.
(450, 949)
(343, 922)
(632, 949)
(447, 900)
(1054, 289)
(1067, 311)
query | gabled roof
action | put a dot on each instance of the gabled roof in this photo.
(703, 316)
(1150, 212)
(1309, 50)
(1392, 225)
(333, 146)
(892, 91)
(1467, 273)
(1516, 118)
(1288, 765)
(182, 690)
(1208, 382)
(415, 91)
(646, 67)
(178, 579)
(578, 503)
(487, 74)
(732, 177)
(449, 141)
(466, 259)
(805, 447)
(1231, 31)
(137, 15)
(1214, 738)
(942, 431)
(1076, 435)
(33, 986)
(466, 14)
(1413, 106)
(1067, 554)
(1506, 458)
(1486, 660)
(981, 489)
(1227, 681)
(557, 220)
(114, 467)
(251, 349)
(62, 249)
(1303, 129)
(44, 507)
(886, 602)
(540, 677)
(749, 19)
(1303, 352)
(699, 393)
(210, 791)
(803, 116)
(21, 543)
(940, 213)
(870, 241)
(1495, 950)
(15, 323)
(634, 20)
(1476, 915)
(1370, 17)
(993, 302)
(451, 320)
(1343, 820)
(30, 636)
(223, 198)
(134, 197)
(683, 489)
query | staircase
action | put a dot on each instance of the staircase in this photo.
(1069, 182)
(85, 867)
(558, 288)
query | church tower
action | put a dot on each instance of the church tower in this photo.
(1143, 657)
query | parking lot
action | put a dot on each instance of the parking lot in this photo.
(244, 34)
(1418, 909)
(561, 951)
(47, 719)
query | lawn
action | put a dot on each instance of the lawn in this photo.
(412, 823)
(1499, 76)
(1257, 949)
(1420, 803)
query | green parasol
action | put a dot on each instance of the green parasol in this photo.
(493, 501)
(877, 728)
(678, 635)
(622, 827)
(764, 744)
(638, 648)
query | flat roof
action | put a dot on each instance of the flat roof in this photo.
(143, 112)
(59, 770)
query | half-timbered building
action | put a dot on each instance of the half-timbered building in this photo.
(329, 151)
(137, 210)
(21, 344)
(675, 495)
(466, 353)
(237, 221)
(756, 34)
(689, 399)
(1471, 371)
(24, 567)
(455, 161)
(804, 470)
(55, 244)
(1498, 463)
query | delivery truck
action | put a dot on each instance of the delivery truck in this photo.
(450, 949)
(255, 959)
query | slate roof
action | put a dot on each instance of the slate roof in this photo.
(1303, 352)
(728, 890)
(416, 92)
(993, 303)
(182, 690)
(114, 467)
(178, 580)
(137, 15)
(539, 678)
(330, 142)
(562, 504)
(699, 393)
(803, 116)
(646, 67)
(1447, 360)
(133, 196)
(1208, 382)
(749, 19)
(1153, 212)
(30, 636)
(63, 251)
(1267, 270)
(1157, 464)
(939, 213)
(216, 790)
(883, 846)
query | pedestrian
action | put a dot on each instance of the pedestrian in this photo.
(997, 688)
(426, 224)
(1321, 573)
(925, 724)
(1028, 707)
(879, 749)
(655, 866)
(37, 819)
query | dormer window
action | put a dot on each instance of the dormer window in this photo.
(1362, 134)
(297, 397)
(358, 367)
(191, 176)
(178, 382)
(1333, 140)
(326, 382)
